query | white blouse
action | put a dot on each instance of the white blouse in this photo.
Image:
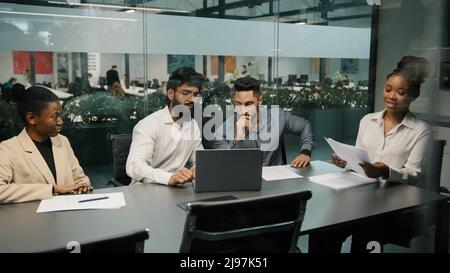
(404, 149)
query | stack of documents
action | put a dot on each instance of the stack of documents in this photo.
(114, 200)
(342, 180)
(278, 173)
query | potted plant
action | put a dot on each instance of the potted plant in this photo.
(10, 122)
(88, 121)
(137, 108)
(217, 93)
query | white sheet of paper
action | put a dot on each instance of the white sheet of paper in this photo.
(116, 200)
(342, 180)
(271, 173)
(352, 154)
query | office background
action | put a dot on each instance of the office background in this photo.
(324, 60)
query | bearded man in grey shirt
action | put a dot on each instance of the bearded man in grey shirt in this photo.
(254, 126)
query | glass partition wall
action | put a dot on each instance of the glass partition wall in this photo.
(324, 60)
(311, 58)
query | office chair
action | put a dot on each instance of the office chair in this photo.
(432, 175)
(132, 242)
(303, 78)
(155, 84)
(292, 78)
(262, 224)
(431, 182)
(6, 94)
(101, 82)
(120, 149)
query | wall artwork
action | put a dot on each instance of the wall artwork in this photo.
(21, 62)
(176, 61)
(230, 64)
(314, 66)
(349, 66)
(43, 62)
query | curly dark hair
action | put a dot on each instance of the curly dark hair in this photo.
(415, 70)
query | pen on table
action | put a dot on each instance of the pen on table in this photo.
(93, 199)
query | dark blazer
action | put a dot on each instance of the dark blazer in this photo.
(112, 76)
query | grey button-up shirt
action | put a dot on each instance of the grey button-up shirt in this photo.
(265, 138)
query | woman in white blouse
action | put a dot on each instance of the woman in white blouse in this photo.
(396, 142)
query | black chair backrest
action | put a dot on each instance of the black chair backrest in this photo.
(283, 150)
(431, 179)
(120, 149)
(6, 94)
(132, 242)
(263, 224)
(101, 81)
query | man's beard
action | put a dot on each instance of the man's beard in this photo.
(180, 115)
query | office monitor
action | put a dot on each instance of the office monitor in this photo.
(292, 77)
(278, 81)
(101, 81)
(303, 78)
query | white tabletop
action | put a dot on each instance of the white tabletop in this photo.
(60, 94)
(138, 91)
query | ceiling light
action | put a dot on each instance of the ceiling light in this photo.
(156, 10)
(68, 16)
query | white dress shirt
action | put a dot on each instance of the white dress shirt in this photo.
(161, 146)
(404, 149)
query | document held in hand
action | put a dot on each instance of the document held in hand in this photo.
(352, 154)
(345, 180)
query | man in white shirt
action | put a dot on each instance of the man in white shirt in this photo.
(164, 141)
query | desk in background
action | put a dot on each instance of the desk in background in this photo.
(138, 91)
(60, 94)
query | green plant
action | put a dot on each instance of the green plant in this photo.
(217, 93)
(155, 101)
(10, 122)
(315, 96)
(137, 108)
(102, 107)
(95, 108)
(283, 97)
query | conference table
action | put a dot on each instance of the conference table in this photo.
(154, 206)
(59, 93)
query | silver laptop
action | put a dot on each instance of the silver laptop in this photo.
(228, 170)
